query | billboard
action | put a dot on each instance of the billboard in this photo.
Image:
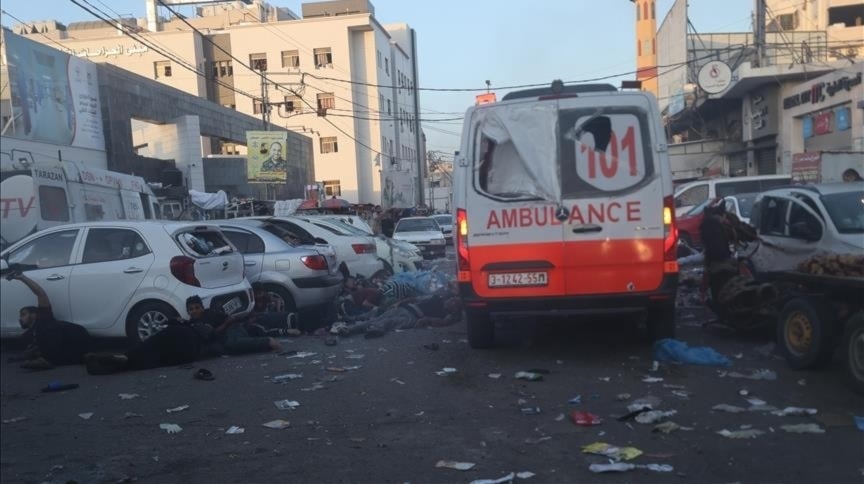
(54, 97)
(671, 58)
(267, 158)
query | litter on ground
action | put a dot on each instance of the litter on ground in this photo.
(763, 374)
(653, 416)
(86, 415)
(741, 434)
(528, 376)
(611, 451)
(278, 424)
(286, 404)
(235, 430)
(808, 428)
(585, 419)
(623, 467)
(128, 396)
(171, 428)
(675, 351)
(452, 464)
(177, 409)
(796, 411)
(725, 407)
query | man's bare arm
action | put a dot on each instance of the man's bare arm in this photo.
(42, 300)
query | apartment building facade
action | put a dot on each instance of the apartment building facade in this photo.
(335, 74)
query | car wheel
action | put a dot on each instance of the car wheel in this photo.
(148, 319)
(806, 333)
(661, 322)
(481, 330)
(281, 299)
(853, 347)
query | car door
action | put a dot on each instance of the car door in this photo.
(252, 248)
(47, 260)
(114, 263)
(791, 233)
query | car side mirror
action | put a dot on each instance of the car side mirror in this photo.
(4, 265)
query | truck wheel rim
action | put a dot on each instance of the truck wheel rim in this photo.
(151, 323)
(799, 333)
(856, 354)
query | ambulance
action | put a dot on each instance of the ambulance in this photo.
(564, 206)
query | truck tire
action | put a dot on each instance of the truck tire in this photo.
(481, 329)
(806, 333)
(661, 322)
(853, 349)
(147, 319)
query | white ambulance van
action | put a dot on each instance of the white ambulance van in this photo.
(563, 201)
(49, 194)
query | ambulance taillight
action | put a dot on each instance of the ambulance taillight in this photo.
(463, 263)
(670, 236)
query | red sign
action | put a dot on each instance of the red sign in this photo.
(822, 122)
(807, 167)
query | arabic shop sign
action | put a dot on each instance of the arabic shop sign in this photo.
(820, 91)
(109, 51)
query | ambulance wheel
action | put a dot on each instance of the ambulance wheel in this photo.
(806, 333)
(853, 347)
(481, 330)
(661, 322)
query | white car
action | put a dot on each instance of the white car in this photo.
(357, 252)
(445, 221)
(124, 278)
(798, 223)
(397, 256)
(423, 232)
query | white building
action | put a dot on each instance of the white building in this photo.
(336, 74)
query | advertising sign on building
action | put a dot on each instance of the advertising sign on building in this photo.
(54, 96)
(714, 77)
(267, 158)
(807, 167)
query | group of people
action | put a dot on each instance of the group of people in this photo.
(206, 333)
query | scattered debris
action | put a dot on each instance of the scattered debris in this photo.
(676, 351)
(575, 400)
(654, 416)
(86, 415)
(808, 428)
(128, 396)
(494, 376)
(508, 478)
(560, 417)
(286, 404)
(655, 365)
(396, 380)
(286, 377)
(528, 376)
(605, 378)
(652, 379)
(682, 394)
(725, 407)
(132, 415)
(235, 430)
(621, 397)
(585, 419)
(756, 402)
(278, 424)
(177, 409)
(525, 475)
(14, 420)
(797, 411)
(301, 354)
(58, 386)
(611, 451)
(171, 428)
(743, 392)
(533, 441)
(530, 411)
(762, 374)
(766, 350)
(355, 356)
(315, 386)
(623, 467)
(459, 466)
(802, 382)
(446, 371)
(741, 434)
(666, 427)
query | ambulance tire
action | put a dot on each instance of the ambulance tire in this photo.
(481, 330)
(661, 322)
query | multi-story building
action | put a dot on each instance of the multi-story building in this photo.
(335, 74)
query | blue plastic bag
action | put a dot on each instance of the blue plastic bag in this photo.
(424, 282)
(675, 351)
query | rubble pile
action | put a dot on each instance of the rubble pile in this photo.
(846, 265)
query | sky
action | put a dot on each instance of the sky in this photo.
(463, 43)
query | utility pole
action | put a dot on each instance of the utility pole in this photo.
(265, 104)
(759, 33)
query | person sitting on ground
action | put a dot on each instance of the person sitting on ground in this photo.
(176, 344)
(430, 311)
(266, 320)
(50, 342)
(221, 333)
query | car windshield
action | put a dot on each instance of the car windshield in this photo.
(417, 225)
(846, 211)
(444, 219)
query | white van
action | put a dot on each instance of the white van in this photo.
(50, 194)
(691, 195)
(564, 206)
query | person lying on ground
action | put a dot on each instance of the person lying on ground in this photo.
(359, 300)
(430, 311)
(222, 334)
(176, 344)
(50, 342)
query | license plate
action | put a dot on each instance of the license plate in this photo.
(518, 279)
(232, 306)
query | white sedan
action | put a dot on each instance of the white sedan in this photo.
(424, 232)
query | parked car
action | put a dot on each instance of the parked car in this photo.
(798, 223)
(360, 248)
(424, 232)
(739, 204)
(396, 255)
(295, 276)
(125, 278)
(694, 193)
(445, 221)
(358, 253)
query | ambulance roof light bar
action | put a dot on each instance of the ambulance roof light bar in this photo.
(558, 89)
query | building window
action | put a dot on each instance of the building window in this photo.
(222, 69)
(290, 58)
(653, 12)
(645, 10)
(329, 145)
(332, 188)
(323, 57)
(378, 58)
(293, 104)
(162, 69)
(380, 103)
(258, 62)
(389, 110)
(638, 12)
(387, 65)
(326, 100)
(653, 46)
(788, 21)
(639, 48)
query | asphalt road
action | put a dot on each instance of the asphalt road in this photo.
(393, 418)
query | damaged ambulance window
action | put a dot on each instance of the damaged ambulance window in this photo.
(500, 170)
(603, 153)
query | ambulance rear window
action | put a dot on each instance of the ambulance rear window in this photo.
(603, 152)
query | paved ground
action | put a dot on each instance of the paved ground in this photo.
(393, 418)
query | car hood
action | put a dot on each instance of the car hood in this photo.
(418, 236)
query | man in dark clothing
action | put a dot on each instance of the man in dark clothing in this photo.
(223, 333)
(387, 225)
(720, 266)
(51, 342)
